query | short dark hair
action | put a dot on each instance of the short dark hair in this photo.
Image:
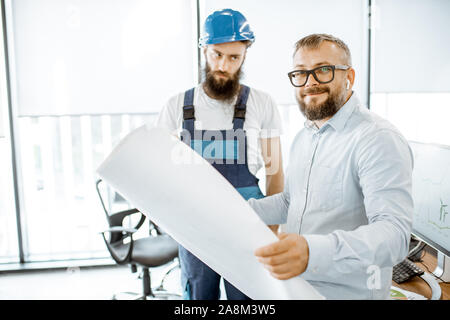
(313, 41)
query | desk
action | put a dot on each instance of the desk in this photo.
(418, 285)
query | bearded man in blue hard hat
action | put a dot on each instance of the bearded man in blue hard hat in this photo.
(234, 127)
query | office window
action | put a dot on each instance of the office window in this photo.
(411, 56)
(9, 249)
(419, 116)
(83, 75)
(410, 67)
(99, 56)
(59, 156)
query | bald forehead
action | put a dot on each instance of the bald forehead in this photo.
(326, 53)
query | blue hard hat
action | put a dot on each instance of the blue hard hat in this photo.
(226, 25)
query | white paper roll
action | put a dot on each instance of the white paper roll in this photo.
(181, 192)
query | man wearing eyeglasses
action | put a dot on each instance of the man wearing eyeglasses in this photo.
(347, 204)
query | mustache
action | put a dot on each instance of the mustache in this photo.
(221, 73)
(315, 90)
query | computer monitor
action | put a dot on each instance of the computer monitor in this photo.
(431, 195)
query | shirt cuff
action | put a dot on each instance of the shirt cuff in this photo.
(321, 250)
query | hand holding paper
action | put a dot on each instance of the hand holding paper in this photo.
(285, 258)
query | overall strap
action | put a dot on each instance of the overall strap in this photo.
(240, 108)
(188, 110)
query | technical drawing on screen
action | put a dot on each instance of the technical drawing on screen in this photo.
(431, 194)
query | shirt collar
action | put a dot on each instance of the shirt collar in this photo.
(338, 121)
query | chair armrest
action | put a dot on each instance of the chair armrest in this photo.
(129, 232)
(120, 229)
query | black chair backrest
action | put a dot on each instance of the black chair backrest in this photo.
(116, 219)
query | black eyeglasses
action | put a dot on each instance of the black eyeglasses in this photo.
(322, 74)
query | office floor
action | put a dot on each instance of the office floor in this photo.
(90, 283)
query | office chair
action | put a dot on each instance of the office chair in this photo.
(153, 251)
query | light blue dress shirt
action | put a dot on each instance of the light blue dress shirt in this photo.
(348, 192)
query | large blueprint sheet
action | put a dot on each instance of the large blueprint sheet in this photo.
(191, 201)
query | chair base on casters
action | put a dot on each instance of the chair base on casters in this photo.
(148, 293)
(155, 295)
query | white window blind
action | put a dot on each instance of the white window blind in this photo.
(411, 47)
(278, 25)
(99, 56)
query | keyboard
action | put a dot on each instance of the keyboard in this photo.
(405, 270)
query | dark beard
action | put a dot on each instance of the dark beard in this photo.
(327, 109)
(222, 89)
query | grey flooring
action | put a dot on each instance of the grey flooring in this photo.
(85, 283)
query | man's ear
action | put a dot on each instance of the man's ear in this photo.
(351, 77)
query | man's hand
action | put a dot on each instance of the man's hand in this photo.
(286, 258)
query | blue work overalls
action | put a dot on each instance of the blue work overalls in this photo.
(226, 150)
